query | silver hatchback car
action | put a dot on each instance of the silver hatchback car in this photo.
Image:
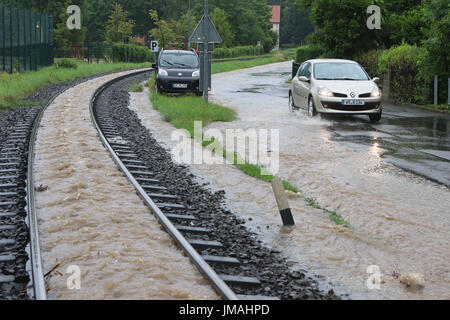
(335, 86)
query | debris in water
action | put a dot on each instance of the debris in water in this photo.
(41, 188)
(413, 279)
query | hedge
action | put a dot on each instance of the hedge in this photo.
(240, 51)
(136, 53)
(404, 63)
(308, 52)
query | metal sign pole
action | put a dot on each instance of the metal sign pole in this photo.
(189, 26)
(205, 58)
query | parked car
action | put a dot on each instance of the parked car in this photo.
(177, 71)
(335, 86)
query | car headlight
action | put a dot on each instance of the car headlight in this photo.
(375, 93)
(196, 73)
(324, 92)
(162, 72)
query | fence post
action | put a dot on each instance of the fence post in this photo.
(3, 39)
(435, 90)
(11, 39)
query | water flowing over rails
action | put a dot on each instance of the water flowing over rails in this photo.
(166, 208)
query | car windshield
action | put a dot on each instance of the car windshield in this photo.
(339, 71)
(179, 61)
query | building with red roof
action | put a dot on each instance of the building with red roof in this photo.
(276, 20)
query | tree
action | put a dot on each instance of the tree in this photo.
(223, 26)
(63, 37)
(341, 26)
(436, 60)
(295, 24)
(162, 31)
(99, 12)
(118, 26)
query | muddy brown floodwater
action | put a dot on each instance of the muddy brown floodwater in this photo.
(401, 222)
(91, 217)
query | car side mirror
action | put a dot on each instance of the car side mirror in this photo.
(154, 66)
(303, 79)
(376, 79)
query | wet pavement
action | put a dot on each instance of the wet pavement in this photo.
(399, 218)
(411, 138)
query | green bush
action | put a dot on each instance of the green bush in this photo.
(239, 51)
(308, 52)
(369, 61)
(136, 53)
(66, 64)
(404, 64)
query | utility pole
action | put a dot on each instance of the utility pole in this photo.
(205, 57)
(189, 25)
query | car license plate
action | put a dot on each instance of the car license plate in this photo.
(353, 102)
(180, 86)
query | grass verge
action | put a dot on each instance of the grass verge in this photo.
(16, 87)
(137, 87)
(236, 65)
(441, 107)
(332, 214)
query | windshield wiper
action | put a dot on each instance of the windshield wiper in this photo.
(183, 65)
(167, 62)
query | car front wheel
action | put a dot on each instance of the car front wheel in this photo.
(291, 104)
(312, 112)
(374, 118)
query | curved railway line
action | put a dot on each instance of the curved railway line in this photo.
(222, 268)
(183, 228)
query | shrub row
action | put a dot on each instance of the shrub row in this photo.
(404, 64)
(135, 53)
(240, 51)
(308, 52)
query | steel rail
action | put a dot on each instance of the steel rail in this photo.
(36, 287)
(219, 285)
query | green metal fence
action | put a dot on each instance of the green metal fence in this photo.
(26, 40)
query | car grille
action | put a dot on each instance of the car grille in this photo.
(340, 107)
(340, 95)
(365, 95)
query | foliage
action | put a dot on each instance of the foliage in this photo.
(239, 51)
(133, 52)
(308, 52)
(64, 37)
(295, 25)
(118, 26)
(403, 62)
(66, 64)
(436, 60)
(370, 61)
(162, 31)
(223, 26)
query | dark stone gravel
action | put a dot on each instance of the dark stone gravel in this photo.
(279, 277)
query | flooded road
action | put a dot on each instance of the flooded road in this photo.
(400, 220)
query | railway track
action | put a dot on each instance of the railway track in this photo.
(19, 275)
(221, 262)
(185, 228)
